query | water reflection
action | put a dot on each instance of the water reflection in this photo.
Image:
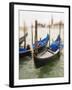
(52, 69)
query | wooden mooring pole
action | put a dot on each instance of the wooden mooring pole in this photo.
(36, 40)
(24, 37)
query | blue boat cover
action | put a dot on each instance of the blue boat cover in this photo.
(56, 44)
(22, 50)
(41, 43)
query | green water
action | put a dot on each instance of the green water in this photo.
(27, 69)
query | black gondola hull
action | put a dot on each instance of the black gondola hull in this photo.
(25, 54)
(39, 62)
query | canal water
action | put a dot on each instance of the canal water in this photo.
(27, 69)
(55, 68)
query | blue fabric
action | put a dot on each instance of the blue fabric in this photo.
(54, 47)
(41, 43)
(22, 49)
(56, 44)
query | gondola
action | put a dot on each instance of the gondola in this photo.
(49, 54)
(41, 45)
(24, 52)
